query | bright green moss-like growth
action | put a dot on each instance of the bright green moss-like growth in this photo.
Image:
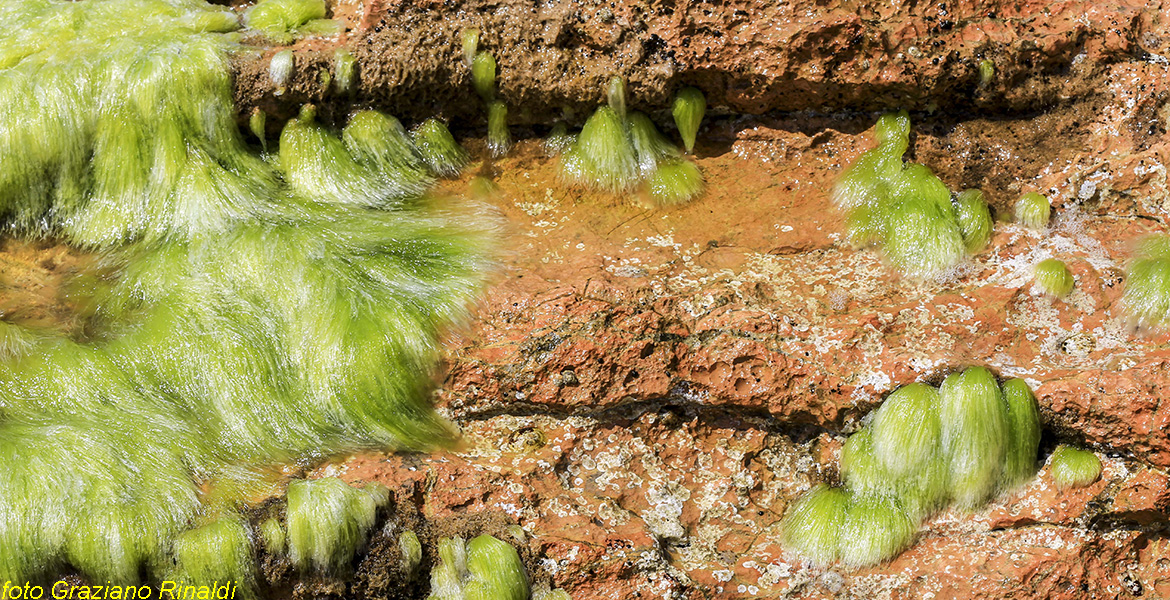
(616, 152)
(247, 314)
(689, 108)
(257, 124)
(483, 76)
(1147, 282)
(499, 140)
(812, 526)
(558, 140)
(281, 20)
(906, 209)
(380, 144)
(603, 154)
(923, 449)
(328, 521)
(483, 569)
(1053, 277)
(217, 553)
(875, 530)
(438, 148)
(1073, 467)
(975, 434)
(675, 181)
(273, 536)
(975, 223)
(411, 549)
(1033, 210)
(1024, 423)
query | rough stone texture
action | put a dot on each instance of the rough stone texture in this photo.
(748, 56)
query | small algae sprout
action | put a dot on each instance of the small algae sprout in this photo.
(280, 68)
(282, 21)
(411, 549)
(986, 72)
(1073, 467)
(618, 150)
(975, 223)
(906, 209)
(689, 108)
(924, 449)
(470, 45)
(328, 521)
(499, 140)
(244, 314)
(484, 568)
(559, 139)
(1033, 210)
(1053, 278)
(257, 124)
(220, 551)
(438, 148)
(615, 94)
(483, 76)
(1147, 282)
(344, 71)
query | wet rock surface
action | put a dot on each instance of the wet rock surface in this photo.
(644, 391)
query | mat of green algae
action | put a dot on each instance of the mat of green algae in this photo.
(233, 321)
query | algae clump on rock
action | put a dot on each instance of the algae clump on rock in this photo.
(245, 315)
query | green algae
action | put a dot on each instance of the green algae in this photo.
(328, 522)
(1147, 282)
(688, 110)
(282, 21)
(220, 551)
(1053, 278)
(925, 448)
(617, 151)
(907, 210)
(484, 568)
(1073, 467)
(1033, 210)
(243, 314)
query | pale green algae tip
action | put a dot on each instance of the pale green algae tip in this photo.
(498, 140)
(484, 568)
(1053, 277)
(1147, 282)
(240, 319)
(924, 448)
(688, 110)
(483, 75)
(617, 151)
(906, 209)
(1072, 467)
(1033, 211)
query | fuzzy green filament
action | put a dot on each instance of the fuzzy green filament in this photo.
(438, 148)
(1072, 467)
(616, 154)
(328, 521)
(484, 568)
(1053, 278)
(280, 20)
(257, 124)
(689, 108)
(411, 549)
(975, 223)
(483, 76)
(249, 313)
(924, 449)
(1147, 283)
(499, 140)
(1033, 210)
(906, 209)
(217, 552)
